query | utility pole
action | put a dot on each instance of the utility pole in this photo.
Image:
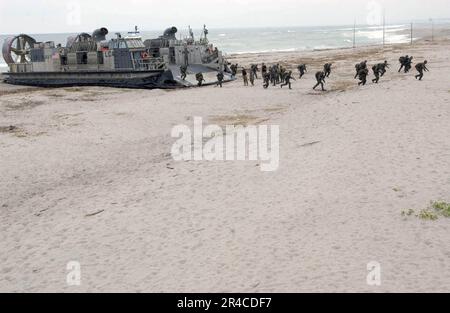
(432, 29)
(411, 33)
(384, 27)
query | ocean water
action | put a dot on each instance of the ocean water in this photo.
(256, 40)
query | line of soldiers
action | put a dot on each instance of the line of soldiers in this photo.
(274, 75)
(277, 74)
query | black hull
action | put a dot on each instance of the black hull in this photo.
(122, 79)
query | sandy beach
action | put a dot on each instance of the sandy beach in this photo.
(87, 176)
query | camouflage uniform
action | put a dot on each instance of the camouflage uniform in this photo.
(220, 78)
(421, 67)
(362, 74)
(302, 70)
(200, 79)
(287, 80)
(320, 77)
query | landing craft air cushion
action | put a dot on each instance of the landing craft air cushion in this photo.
(127, 62)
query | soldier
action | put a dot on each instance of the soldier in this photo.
(362, 74)
(287, 80)
(200, 79)
(183, 70)
(376, 71)
(252, 78)
(255, 70)
(302, 70)
(327, 69)
(320, 77)
(382, 68)
(359, 67)
(244, 76)
(283, 73)
(220, 79)
(266, 78)
(234, 69)
(277, 74)
(420, 67)
(408, 64)
(273, 75)
(263, 69)
(226, 69)
(402, 61)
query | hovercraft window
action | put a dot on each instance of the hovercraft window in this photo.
(82, 58)
(63, 59)
(100, 58)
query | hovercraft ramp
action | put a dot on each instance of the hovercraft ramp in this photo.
(210, 75)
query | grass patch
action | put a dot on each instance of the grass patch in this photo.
(428, 215)
(432, 213)
(443, 208)
(409, 212)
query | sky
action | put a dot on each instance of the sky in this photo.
(72, 16)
